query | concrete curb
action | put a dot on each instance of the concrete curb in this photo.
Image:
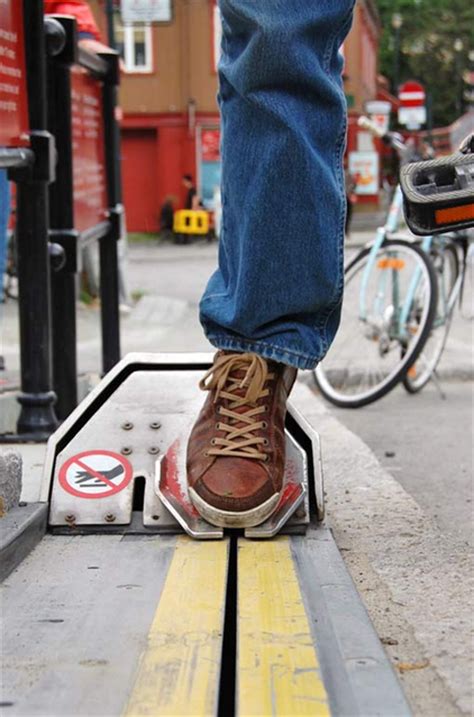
(416, 590)
(21, 529)
(358, 675)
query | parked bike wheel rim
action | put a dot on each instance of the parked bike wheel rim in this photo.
(445, 261)
(362, 372)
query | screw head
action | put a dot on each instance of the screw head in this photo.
(153, 450)
(155, 517)
(155, 425)
(126, 450)
(300, 512)
(127, 425)
(110, 517)
(70, 518)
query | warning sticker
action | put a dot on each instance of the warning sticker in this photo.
(95, 474)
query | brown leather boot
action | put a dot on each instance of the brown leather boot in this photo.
(236, 451)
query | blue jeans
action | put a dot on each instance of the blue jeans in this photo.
(278, 289)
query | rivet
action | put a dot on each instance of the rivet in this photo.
(155, 517)
(70, 518)
(127, 425)
(300, 512)
(155, 425)
(153, 450)
(110, 517)
(126, 450)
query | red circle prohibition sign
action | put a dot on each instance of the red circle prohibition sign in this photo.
(95, 474)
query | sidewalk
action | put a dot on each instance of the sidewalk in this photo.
(169, 281)
(413, 587)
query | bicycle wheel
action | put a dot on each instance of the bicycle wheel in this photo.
(445, 261)
(389, 304)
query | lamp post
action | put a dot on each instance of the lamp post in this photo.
(458, 48)
(397, 22)
(469, 94)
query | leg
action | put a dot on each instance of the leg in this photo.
(273, 304)
(278, 287)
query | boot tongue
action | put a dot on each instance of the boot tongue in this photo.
(243, 375)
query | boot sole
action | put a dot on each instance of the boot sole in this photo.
(230, 519)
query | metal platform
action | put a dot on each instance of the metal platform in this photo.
(146, 622)
(118, 464)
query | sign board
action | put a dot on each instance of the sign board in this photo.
(411, 94)
(209, 163)
(379, 112)
(412, 110)
(412, 117)
(13, 89)
(90, 191)
(364, 168)
(210, 143)
(146, 10)
(95, 474)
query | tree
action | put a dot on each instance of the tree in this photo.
(435, 39)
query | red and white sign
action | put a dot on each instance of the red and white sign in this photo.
(379, 112)
(210, 144)
(412, 110)
(411, 94)
(90, 192)
(95, 474)
(13, 90)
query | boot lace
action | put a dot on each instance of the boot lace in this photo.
(241, 410)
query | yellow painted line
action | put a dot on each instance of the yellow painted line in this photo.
(179, 671)
(277, 667)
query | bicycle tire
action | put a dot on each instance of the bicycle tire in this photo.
(416, 379)
(407, 357)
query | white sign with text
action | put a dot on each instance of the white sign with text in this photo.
(146, 10)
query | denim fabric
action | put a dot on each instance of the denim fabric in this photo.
(277, 291)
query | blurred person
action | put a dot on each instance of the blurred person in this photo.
(88, 31)
(273, 305)
(167, 217)
(192, 199)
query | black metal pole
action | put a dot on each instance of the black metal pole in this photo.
(37, 418)
(109, 9)
(63, 279)
(396, 61)
(108, 253)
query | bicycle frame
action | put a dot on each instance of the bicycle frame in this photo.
(390, 227)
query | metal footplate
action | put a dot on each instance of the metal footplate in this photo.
(118, 463)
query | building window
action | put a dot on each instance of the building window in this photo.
(216, 35)
(135, 45)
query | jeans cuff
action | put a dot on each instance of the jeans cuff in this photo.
(267, 351)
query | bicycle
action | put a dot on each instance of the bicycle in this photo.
(446, 187)
(390, 303)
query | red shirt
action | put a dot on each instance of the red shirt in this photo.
(79, 9)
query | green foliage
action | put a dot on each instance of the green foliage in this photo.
(427, 49)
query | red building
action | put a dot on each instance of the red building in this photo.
(170, 123)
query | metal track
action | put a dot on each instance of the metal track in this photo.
(110, 625)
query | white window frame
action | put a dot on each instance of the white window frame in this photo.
(129, 48)
(216, 35)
